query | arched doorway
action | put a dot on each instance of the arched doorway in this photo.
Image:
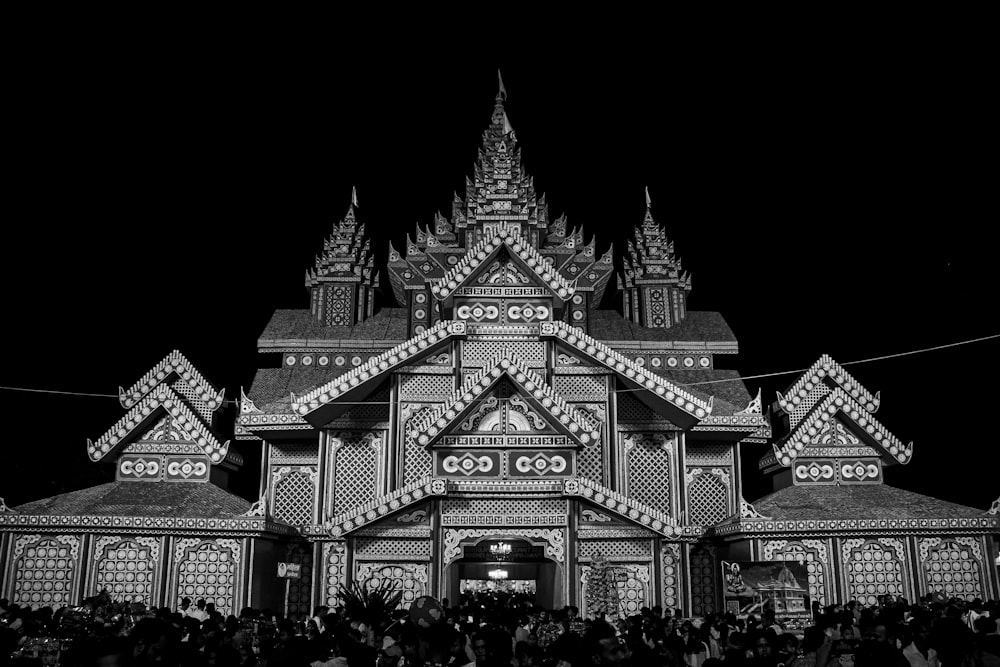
(505, 564)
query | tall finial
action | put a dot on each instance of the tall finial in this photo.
(502, 93)
(354, 196)
(649, 202)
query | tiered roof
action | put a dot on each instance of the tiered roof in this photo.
(346, 255)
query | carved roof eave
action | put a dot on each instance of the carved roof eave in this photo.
(158, 525)
(630, 510)
(839, 402)
(323, 404)
(750, 421)
(682, 407)
(542, 397)
(141, 417)
(385, 506)
(750, 527)
(829, 370)
(175, 364)
(520, 250)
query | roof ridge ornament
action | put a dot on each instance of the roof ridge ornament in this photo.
(994, 509)
(826, 370)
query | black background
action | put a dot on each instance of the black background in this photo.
(829, 195)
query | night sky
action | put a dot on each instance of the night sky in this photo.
(826, 200)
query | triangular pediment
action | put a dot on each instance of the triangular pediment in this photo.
(176, 370)
(824, 376)
(503, 242)
(532, 403)
(678, 405)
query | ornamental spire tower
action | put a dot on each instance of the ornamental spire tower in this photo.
(655, 286)
(342, 284)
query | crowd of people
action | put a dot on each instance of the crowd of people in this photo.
(508, 631)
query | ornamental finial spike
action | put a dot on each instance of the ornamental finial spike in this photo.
(502, 92)
(649, 202)
(354, 196)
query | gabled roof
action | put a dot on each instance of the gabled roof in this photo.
(174, 364)
(142, 415)
(628, 509)
(507, 364)
(827, 370)
(324, 403)
(838, 401)
(685, 408)
(874, 501)
(386, 505)
(179, 499)
(481, 254)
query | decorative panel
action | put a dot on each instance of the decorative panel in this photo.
(294, 453)
(144, 468)
(874, 568)
(294, 494)
(408, 578)
(186, 468)
(670, 575)
(392, 549)
(458, 463)
(553, 463)
(44, 570)
(704, 597)
(648, 469)
(708, 454)
(953, 566)
(708, 495)
(632, 583)
(335, 571)
(374, 409)
(581, 387)
(417, 462)
(356, 464)
(633, 411)
(622, 549)
(208, 569)
(479, 352)
(299, 596)
(126, 567)
(426, 387)
(810, 552)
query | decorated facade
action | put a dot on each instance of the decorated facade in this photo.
(498, 400)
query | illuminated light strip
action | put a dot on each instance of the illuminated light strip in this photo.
(184, 417)
(808, 430)
(481, 253)
(505, 362)
(827, 368)
(622, 365)
(377, 365)
(175, 362)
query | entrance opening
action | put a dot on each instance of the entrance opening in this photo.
(496, 570)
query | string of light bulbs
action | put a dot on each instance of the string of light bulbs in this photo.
(616, 391)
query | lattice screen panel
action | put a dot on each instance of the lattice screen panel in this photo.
(631, 409)
(409, 578)
(294, 495)
(425, 387)
(649, 478)
(590, 463)
(478, 352)
(380, 547)
(286, 452)
(208, 571)
(504, 506)
(356, 475)
(191, 397)
(703, 575)
(126, 568)
(873, 569)
(634, 549)
(417, 460)
(44, 574)
(708, 499)
(376, 408)
(581, 387)
(709, 454)
(299, 597)
(952, 569)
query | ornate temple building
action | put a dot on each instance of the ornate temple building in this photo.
(497, 403)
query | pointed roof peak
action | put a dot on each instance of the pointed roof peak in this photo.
(501, 90)
(649, 202)
(354, 196)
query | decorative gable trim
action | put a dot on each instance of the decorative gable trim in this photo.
(174, 364)
(828, 370)
(839, 401)
(386, 505)
(505, 363)
(628, 509)
(142, 415)
(994, 509)
(521, 250)
(319, 406)
(691, 407)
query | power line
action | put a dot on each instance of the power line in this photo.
(617, 391)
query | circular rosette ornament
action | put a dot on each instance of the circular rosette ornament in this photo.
(426, 611)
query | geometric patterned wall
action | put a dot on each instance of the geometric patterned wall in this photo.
(874, 568)
(670, 573)
(708, 495)
(294, 492)
(408, 578)
(299, 596)
(648, 468)
(703, 578)
(356, 463)
(207, 569)
(334, 571)
(810, 552)
(126, 567)
(632, 583)
(44, 570)
(953, 566)
(417, 462)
